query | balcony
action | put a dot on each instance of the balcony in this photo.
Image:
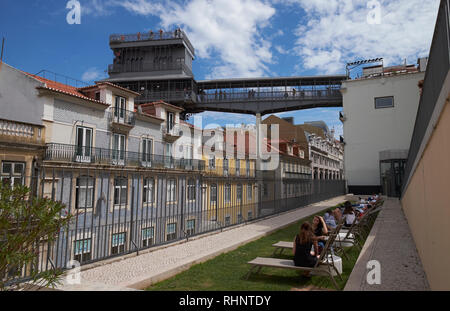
(121, 119)
(171, 135)
(21, 133)
(100, 156)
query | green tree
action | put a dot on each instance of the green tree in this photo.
(27, 225)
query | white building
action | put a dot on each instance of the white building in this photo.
(379, 114)
(325, 152)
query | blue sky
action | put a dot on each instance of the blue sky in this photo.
(233, 38)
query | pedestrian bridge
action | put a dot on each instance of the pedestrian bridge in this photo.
(265, 95)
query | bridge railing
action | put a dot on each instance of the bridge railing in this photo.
(269, 95)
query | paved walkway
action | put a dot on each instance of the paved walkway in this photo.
(141, 271)
(390, 242)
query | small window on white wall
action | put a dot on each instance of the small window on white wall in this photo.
(384, 102)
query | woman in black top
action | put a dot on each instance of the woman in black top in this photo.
(303, 243)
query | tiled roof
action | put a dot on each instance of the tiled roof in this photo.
(64, 89)
(161, 103)
(97, 83)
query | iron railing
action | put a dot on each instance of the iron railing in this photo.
(151, 36)
(118, 212)
(268, 95)
(90, 155)
(122, 116)
(437, 71)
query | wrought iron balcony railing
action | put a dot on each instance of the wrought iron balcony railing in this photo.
(90, 155)
(122, 116)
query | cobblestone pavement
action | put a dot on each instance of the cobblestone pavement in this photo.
(141, 271)
(391, 244)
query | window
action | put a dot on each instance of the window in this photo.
(147, 150)
(249, 192)
(84, 192)
(13, 173)
(171, 233)
(149, 191)
(171, 190)
(119, 108)
(265, 190)
(248, 167)
(239, 192)
(213, 194)
(118, 243)
(148, 235)
(227, 220)
(212, 162)
(239, 217)
(238, 167)
(225, 167)
(168, 160)
(97, 95)
(84, 144)
(191, 190)
(82, 250)
(384, 102)
(250, 215)
(118, 149)
(227, 193)
(190, 227)
(120, 191)
(170, 121)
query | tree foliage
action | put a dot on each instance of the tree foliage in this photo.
(27, 226)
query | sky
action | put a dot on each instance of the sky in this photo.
(232, 38)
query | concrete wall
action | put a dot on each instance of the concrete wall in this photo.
(367, 130)
(427, 206)
(19, 99)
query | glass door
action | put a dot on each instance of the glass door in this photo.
(118, 149)
(84, 144)
(147, 150)
(119, 109)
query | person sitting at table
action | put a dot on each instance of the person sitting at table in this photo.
(303, 243)
(349, 214)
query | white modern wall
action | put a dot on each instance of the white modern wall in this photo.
(367, 130)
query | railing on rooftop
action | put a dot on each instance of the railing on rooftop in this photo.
(437, 70)
(56, 77)
(151, 36)
(90, 155)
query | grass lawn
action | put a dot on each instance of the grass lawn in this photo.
(227, 272)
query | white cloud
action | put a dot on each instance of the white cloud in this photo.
(230, 28)
(92, 74)
(337, 32)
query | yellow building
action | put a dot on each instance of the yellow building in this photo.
(230, 181)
